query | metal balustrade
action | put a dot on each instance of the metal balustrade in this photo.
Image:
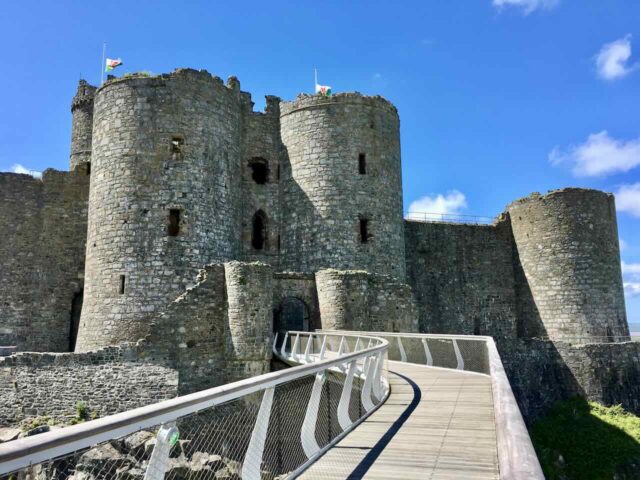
(265, 427)
(272, 426)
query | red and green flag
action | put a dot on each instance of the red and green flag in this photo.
(112, 63)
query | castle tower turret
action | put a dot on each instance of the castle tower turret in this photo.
(164, 198)
(567, 243)
(82, 124)
(342, 185)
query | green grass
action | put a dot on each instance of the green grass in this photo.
(586, 441)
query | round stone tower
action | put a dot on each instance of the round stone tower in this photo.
(164, 197)
(81, 124)
(568, 246)
(341, 184)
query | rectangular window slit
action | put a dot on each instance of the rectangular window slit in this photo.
(362, 164)
(121, 285)
(176, 144)
(364, 230)
(174, 222)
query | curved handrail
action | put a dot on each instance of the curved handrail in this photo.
(516, 454)
(28, 451)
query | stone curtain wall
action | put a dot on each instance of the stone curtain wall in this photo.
(326, 196)
(542, 372)
(110, 380)
(462, 276)
(261, 142)
(42, 256)
(358, 300)
(219, 330)
(567, 244)
(159, 143)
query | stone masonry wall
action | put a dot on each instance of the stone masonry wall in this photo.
(81, 124)
(42, 257)
(567, 244)
(462, 276)
(110, 380)
(358, 300)
(542, 372)
(324, 192)
(171, 142)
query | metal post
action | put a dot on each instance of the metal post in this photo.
(165, 439)
(323, 347)
(377, 377)
(294, 349)
(427, 352)
(253, 457)
(308, 430)
(458, 355)
(345, 398)
(307, 349)
(403, 354)
(365, 394)
(284, 344)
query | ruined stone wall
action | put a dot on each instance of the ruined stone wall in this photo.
(81, 124)
(463, 278)
(262, 147)
(110, 380)
(542, 372)
(220, 329)
(359, 300)
(171, 142)
(42, 257)
(325, 196)
(567, 244)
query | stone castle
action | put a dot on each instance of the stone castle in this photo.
(190, 228)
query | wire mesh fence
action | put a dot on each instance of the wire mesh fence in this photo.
(267, 431)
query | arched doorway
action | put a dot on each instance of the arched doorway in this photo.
(292, 314)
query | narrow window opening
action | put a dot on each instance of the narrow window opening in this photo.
(259, 230)
(259, 170)
(88, 168)
(364, 230)
(173, 228)
(278, 242)
(362, 164)
(176, 144)
(121, 285)
(476, 326)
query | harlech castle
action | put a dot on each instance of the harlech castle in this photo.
(190, 228)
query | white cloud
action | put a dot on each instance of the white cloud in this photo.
(623, 245)
(631, 269)
(452, 203)
(612, 59)
(632, 289)
(17, 168)
(527, 6)
(628, 199)
(599, 155)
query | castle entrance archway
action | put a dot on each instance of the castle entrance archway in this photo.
(291, 314)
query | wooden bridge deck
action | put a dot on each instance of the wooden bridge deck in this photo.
(436, 424)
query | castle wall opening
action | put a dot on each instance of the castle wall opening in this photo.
(173, 229)
(364, 230)
(362, 164)
(259, 170)
(74, 323)
(259, 230)
(291, 314)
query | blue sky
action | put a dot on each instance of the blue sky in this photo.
(497, 98)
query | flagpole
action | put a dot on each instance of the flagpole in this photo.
(104, 49)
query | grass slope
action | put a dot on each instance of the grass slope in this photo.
(586, 441)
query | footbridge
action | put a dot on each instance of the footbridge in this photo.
(352, 405)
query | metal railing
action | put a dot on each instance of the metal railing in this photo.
(516, 456)
(448, 218)
(265, 427)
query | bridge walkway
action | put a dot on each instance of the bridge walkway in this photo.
(436, 424)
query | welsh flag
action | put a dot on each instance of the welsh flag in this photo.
(324, 90)
(113, 63)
